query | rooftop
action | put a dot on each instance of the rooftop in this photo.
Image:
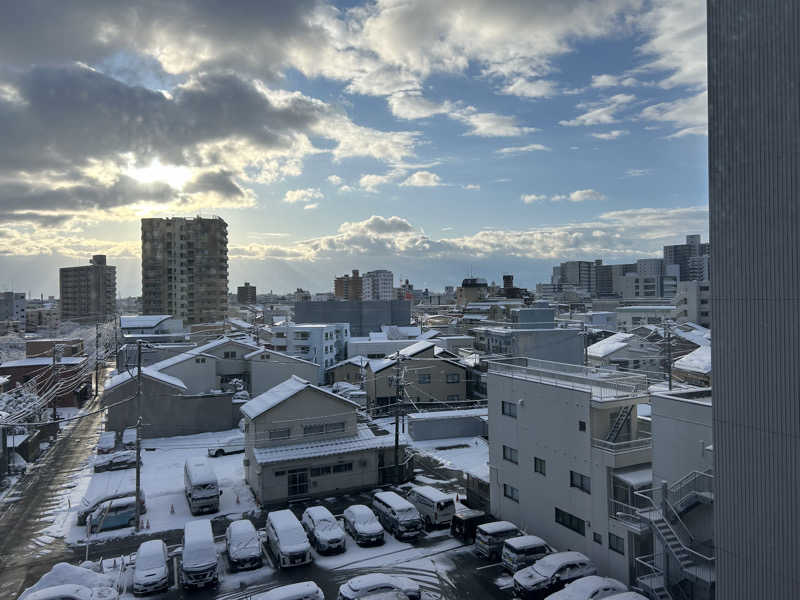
(363, 440)
(645, 307)
(141, 321)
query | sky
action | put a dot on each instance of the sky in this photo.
(436, 139)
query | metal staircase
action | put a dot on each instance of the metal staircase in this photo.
(622, 418)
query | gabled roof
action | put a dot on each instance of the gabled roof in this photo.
(150, 372)
(141, 321)
(359, 361)
(281, 392)
(609, 345)
(226, 340)
(697, 361)
(255, 353)
(417, 348)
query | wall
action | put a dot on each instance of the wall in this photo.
(363, 316)
(446, 427)
(267, 373)
(558, 345)
(379, 385)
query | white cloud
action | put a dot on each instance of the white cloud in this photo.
(638, 172)
(611, 135)
(471, 186)
(579, 196)
(487, 124)
(447, 229)
(526, 88)
(371, 181)
(311, 206)
(518, 149)
(412, 105)
(604, 81)
(335, 180)
(303, 195)
(345, 188)
(422, 179)
(688, 115)
(532, 198)
(601, 113)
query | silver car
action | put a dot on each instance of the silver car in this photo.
(324, 531)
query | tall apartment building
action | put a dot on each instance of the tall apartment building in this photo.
(754, 92)
(378, 285)
(605, 276)
(693, 302)
(681, 255)
(12, 306)
(88, 293)
(246, 294)
(185, 268)
(348, 287)
(580, 273)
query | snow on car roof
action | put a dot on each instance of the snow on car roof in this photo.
(360, 513)
(497, 527)
(293, 591)
(283, 520)
(320, 513)
(581, 588)
(150, 554)
(370, 580)
(627, 596)
(394, 500)
(524, 541)
(65, 573)
(431, 493)
(198, 544)
(551, 562)
(200, 471)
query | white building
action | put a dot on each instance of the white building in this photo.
(377, 285)
(693, 302)
(561, 344)
(629, 317)
(12, 306)
(599, 319)
(390, 339)
(564, 443)
(322, 343)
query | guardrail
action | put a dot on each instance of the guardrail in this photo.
(627, 446)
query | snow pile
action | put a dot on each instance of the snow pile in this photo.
(19, 400)
(65, 573)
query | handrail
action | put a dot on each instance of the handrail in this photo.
(635, 444)
(679, 520)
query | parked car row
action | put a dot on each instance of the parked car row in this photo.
(116, 461)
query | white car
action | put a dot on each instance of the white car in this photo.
(107, 442)
(552, 572)
(375, 583)
(151, 573)
(627, 596)
(324, 531)
(71, 591)
(243, 545)
(129, 438)
(305, 590)
(592, 587)
(230, 446)
(362, 525)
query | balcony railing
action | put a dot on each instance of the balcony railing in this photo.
(627, 446)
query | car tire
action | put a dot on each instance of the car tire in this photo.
(219, 453)
(428, 524)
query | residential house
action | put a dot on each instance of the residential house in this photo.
(695, 367)
(151, 328)
(626, 352)
(321, 343)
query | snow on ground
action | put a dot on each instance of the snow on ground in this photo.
(162, 480)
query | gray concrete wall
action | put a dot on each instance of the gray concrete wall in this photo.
(363, 316)
(199, 378)
(558, 345)
(681, 431)
(447, 427)
(267, 373)
(754, 128)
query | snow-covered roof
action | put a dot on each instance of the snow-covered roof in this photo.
(449, 414)
(43, 361)
(141, 321)
(417, 348)
(609, 345)
(363, 440)
(635, 476)
(14, 441)
(525, 541)
(359, 361)
(697, 361)
(225, 340)
(150, 372)
(497, 527)
(240, 323)
(646, 307)
(274, 396)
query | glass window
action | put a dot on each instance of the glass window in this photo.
(343, 468)
(570, 521)
(616, 543)
(509, 409)
(319, 471)
(510, 492)
(539, 465)
(581, 425)
(598, 539)
(453, 377)
(279, 434)
(424, 378)
(510, 454)
(582, 482)
(313, 429)
(334, 427)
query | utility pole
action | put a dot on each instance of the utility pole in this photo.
(55, 379)
(585, 335)
(669, 354)
(138, 430)
(96, 358)
(399, 392)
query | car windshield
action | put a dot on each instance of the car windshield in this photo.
(151, 559)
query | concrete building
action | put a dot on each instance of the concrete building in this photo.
(442, 424)
(630, 317)
(564, 344)
(301, 441)
(246, 294)
(598, 319)
(390, 339)
(46, 317)
(579, 273)
(606, 276)
(682, 255)
(693, 302)
(185, 268)
(378, 285)
(363, 317)
(472, 289)
(563, 443)
(755, 228)
(626, 352)
(12, 306)
(348, 287)
(321, 343)
(151, 328)
(88, 293)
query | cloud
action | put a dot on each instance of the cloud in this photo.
(688, 115)
(422, 179)
(311, 206)
(604, 81)
(371, 181)
(600, 113)
(538, 88)
(471, 186)
(533, 198)
(447, 229)
(303, 195)
(518, 149)
(611, 135)
(579, 196)
(638, 172)
(335, 180)
(487, 124)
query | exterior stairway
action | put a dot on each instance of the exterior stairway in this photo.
(670, 539)
(622, 418)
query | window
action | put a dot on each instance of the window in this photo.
(570, 521)
(453, 398)
(539, 465)
(510, 454)
(598, 539)
(313, 429)
(616, 543)
(200, 361)
(334, 427)
(229, 354)
(343, 468)
(279, 434)
(510, 492)
(319, 471)
(453, 377)
(509, 409)
(581, 425)
(582, 482)
(280, 473)
(424, 378)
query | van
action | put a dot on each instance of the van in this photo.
(519, 552)
(489, 538)
(397, 515)
(200, 486)
(199, 561)
(305, 590)
(113, 515)
(287, 539)
(435, 507)
(89, 504)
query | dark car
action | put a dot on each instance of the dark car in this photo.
(465, 523)
(116, 461)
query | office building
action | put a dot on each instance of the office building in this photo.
(185, 268)
(580, 273)
(754, 92)
(693, 302)
(682, 255)
(377, 285)
(88, 293)
(605, 276)
(363, 317)
(12, 306)
(472, 289)
(348, 287)
(246, 294)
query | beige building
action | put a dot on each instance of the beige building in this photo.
(88, 293)
(302, 440)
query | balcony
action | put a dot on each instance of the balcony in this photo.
(641, 443)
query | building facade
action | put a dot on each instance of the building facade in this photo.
(323, 344)
(682, 255)
(378, 285)
(12, 306)
(185, 268)
(363, 317)
(348, 287)
(88, 293)
(246, 294)
(693, 302)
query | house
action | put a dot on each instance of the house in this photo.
(73, 371)
(302, 441)
(695, 367)
(564, 443)
(626, 352)
(152, 328)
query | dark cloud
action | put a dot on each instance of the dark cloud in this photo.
(220, 182)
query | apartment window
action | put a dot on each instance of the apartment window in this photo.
(616, 543)
(334, 427)
(453, 377)
(229, 354)
(510, 492)
(343, 468)
(570, 521)
(309, 430)
(279, 434)
(280, 473)
(598, 539)
(581, 425)
(539, 465)
(509, 409)
(200, 361)
(424, 378)
(453, 398)
(582, 482)
(320, 471)
(511, 454)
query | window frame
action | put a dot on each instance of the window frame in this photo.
(274, 434)
(509, 409)
(454, 378)
(537, 462)
(511, 492)
(570, 521)
(580, 482)
(510, 454)
(619, 548)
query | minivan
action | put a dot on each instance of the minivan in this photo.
(519, 552)
(113, 515)
(489, 538)
(200, 486)
(435, 507)
(397, 515)
(90, 503)
(199, 562)
(287, 539)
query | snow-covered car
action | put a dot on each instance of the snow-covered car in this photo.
(305, 590)
(229, 446)
(90, 503)
(129, 438)
(287, 539)
(71, 591)
(126, 459)
(592, 587)
(64, 575)
(366, 585)
(551, 573)
(243, 545)
(324, 531)
(522, 551)
(362, 525)
(113, 515)
(107, 442)
(151, 573)
(627, 596)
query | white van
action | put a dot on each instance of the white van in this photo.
(519, 552)
(305, 590)
(287, 539)
(200, 486)
(397, 515)
(435, 507)
(199, 561)
(489, 538)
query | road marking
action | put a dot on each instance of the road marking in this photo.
(498, 564)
